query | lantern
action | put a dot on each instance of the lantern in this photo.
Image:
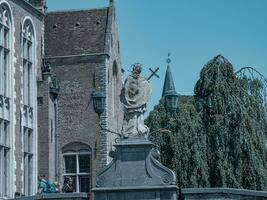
(99, 101)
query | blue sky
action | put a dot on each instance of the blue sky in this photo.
(193, 31)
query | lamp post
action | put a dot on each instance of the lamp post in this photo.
(99, 98)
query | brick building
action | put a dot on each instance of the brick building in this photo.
(21, 26)
(50, 64)
(81, 55)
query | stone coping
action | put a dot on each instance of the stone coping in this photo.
(232, 191)
(74, 195)
(167, 187)
(133, 142)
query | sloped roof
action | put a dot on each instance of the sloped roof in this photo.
(169, 87)
(75, 32)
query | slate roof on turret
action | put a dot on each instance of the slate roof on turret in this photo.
(75, 32)
(168, 83)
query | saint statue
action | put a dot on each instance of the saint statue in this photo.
(134, 95)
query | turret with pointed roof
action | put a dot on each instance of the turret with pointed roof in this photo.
(169, 87)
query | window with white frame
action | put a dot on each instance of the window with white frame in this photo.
(77, 165)
(5, 25)
(28, 105)
(4, 158)
(28, 52)
(5, 70)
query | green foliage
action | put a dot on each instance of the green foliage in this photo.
(217, 137)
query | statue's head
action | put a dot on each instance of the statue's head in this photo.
(136, 69)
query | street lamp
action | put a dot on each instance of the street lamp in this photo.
(99, 98)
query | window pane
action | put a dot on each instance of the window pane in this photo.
(25, 140)
(29, 174)
(1, 133)
(70, 164)
(69, 184)
(84, 163)
(6, 134)
(5, 78)
(84, 182)
(29, 48)
(1, 32)
(6, 172)
(25, 55)
(25, 83)
(6, 38)
(25, 177)
(74, 183)
(29, 84)
(30, 141)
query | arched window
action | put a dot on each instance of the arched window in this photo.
(28, 105)
(5, 94)
(5, 45)
(28, 62)
(77, 165)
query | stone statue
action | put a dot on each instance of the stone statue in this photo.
(134, 95)
(135, 164)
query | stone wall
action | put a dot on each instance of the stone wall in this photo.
(114, 83)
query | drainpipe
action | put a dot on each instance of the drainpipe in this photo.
(54, 90)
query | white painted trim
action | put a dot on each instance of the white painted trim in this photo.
(12, 95)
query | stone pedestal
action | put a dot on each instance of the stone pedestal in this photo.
(135, 174)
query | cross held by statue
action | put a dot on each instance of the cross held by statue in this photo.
(153, 73)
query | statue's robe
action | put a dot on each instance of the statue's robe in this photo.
(135, 94)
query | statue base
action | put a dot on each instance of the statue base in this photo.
(135, 174)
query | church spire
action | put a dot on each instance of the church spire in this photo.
(169, 87)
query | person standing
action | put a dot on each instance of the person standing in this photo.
(42, 184)
(67, 185)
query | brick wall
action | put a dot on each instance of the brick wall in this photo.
(79, 74)
(77, 120)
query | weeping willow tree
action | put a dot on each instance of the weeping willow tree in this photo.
(217, 137)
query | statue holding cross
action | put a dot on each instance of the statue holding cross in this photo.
(135, 95)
